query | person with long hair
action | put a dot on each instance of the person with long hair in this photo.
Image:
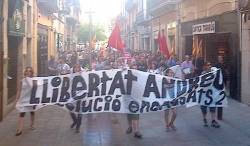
(76, 118)
(28, 72)
(169, 120)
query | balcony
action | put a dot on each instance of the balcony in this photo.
(130, 4)
(144, 30)
(48, 6)
(16, 28)
(142, 19)
(72, 17)
(131, 29)
(159, 7)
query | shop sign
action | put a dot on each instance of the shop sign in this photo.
(204, 28)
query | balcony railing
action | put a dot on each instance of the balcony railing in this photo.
(158, 6)
(72, 17)
(160, 3)
(48, 6)
(141, 18)
(130, 4)
(16, 28)
(144, 30)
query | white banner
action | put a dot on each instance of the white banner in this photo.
(204, 28)
(120, 91)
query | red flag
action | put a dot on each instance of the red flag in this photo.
(159, 41)
(163, 47)
(115, 40)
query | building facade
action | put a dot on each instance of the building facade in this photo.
(30, 32)
(18, 41)
(131, 7)
(244, 7)
(144, 20)
(164, 16)
(222, 27)
(216, 25)
(71, 23)
(49, 22)
(143, 26)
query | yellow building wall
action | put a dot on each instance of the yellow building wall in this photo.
(58, 27)
(54, 26)
(23, 47)
(48, 21)
(45, 20)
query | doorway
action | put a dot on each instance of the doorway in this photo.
(13, 46)
(42, 53)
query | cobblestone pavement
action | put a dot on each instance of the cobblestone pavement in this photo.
(107, 129)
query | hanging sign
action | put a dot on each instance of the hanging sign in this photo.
(204, 28)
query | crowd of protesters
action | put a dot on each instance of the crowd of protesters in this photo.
(73, 61)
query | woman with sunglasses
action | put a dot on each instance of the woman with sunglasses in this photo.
(28, 72)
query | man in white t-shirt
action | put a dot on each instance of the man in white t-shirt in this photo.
(177, 71)
(187, 67)
(63, 68)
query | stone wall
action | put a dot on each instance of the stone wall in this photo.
(197, 9)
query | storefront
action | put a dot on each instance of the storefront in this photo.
(171, 32)
(216, 36)
(16, 32)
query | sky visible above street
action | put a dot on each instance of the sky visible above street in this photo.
(103, 10)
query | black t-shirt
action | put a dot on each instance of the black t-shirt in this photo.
(223, 70)
(142, 67)
(199, 63)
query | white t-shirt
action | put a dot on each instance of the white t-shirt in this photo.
(63, 69)
(177, 69)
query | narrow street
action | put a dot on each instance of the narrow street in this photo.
(107, 129)
(110, 58)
